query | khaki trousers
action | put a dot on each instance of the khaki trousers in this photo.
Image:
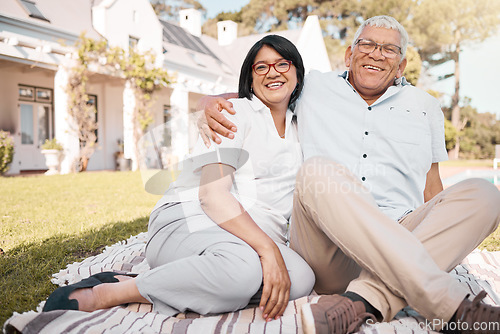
(351, 245)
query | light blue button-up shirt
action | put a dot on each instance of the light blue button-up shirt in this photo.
(389, 145)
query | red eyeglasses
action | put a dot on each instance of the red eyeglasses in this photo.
(281, 66)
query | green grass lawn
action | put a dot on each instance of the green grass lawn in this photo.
(47, 222)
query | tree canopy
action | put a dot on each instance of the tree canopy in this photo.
(169, 9)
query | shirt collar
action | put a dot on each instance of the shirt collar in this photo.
(258, 105)
(398, 82)
(391, 90)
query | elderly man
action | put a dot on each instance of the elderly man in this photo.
(370, 214)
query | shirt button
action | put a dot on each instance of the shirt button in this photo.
(366, 133)
(363, 178)
(369, 108)
(364, 155)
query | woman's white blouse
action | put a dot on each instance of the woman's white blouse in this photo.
(266, 166)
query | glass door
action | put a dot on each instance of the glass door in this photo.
(35, 128)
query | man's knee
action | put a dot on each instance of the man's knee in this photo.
(486, 198)
(335, 281)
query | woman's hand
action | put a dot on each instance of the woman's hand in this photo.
(276, 290)
(211, 121)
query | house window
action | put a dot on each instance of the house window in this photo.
(35, 94)
(132, 41)
(167, 126)
(26, 93)
(43, 95)
(36, 114)
(92, 101)
(33, 10)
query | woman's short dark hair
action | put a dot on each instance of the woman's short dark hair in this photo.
(286, 49)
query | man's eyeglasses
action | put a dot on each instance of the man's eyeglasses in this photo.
(387, 50)
(281, 66)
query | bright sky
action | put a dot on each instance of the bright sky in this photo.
(214, 7)
(479, 71)
(479, 68)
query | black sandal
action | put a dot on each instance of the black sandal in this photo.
(59, 299)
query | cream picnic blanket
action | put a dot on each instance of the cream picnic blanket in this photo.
(479, 271)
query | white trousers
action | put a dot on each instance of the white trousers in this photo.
(207, 271)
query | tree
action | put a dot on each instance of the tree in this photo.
(480, 132)
(137, 68)
(79, 108)
(441, 28)
(414, 65)
(450, 135)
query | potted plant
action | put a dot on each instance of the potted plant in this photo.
(52, 150)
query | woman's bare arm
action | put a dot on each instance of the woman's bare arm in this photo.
(224, 209)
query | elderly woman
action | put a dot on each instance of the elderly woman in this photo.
(217, 239)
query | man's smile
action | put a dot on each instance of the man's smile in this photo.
(371, 67)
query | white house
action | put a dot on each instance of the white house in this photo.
(36, 45)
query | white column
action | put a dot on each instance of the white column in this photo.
(65, 127)
(179, 102)
(128, 124)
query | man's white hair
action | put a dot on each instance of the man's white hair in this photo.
(388, 22)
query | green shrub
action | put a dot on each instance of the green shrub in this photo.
(52, 144)
(6, 151)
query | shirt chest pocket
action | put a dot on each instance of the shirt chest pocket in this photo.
(406, 126)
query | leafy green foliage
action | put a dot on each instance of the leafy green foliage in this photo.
(6, 151)
(52, 144)
(414, 65)
(441, 28)
(450, 134)
(478, 134)
(169, 9)
(79, 108)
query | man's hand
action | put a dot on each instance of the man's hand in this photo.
(211, 122)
